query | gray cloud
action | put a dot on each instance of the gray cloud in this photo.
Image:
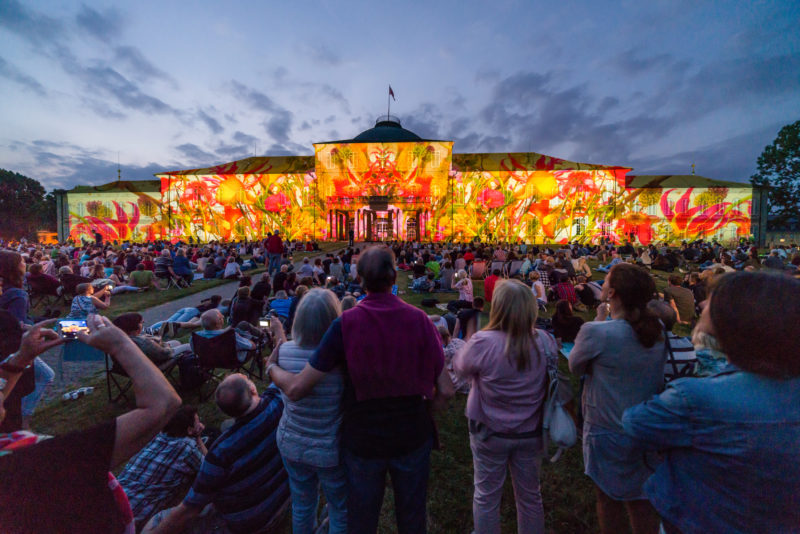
(125, 92)
(233, 152)
(102, 26)
(212, 123)
(32, 26)
(195, 154)
(139, 66)
(245, 139)
(10, 72)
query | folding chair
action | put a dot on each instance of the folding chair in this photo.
(513, 268)
(220, 352)
(499, 265)
(42, 293)
(117, 378)
(178, 283)
(68, 284)
(478, 270)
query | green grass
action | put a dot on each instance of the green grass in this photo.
(568, 495)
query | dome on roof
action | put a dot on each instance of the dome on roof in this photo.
(387, 130)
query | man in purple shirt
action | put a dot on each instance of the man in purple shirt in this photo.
(395, 362)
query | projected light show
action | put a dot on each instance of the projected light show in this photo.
(387, 183)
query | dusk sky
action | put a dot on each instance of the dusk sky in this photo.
(654, 85)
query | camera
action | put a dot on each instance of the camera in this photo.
(69, 329)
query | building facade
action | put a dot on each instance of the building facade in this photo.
(388, 183)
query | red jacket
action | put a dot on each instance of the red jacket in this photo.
(275, 244)
(488, 287)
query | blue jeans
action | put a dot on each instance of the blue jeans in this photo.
(180, 316)
(274, 262)
(366, 481)
(43, 376)
(304, 481)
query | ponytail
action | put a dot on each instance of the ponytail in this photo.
(634, 287)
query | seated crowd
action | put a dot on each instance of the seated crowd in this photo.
(349, 395)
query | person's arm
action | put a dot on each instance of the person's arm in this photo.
(36, 340)
(585, 350)
(444, 390)
(457, 329)
(328, 355)
(156, 401)
(176, 521)
(661, 423)
(102, 304)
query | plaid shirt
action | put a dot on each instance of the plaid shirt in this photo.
(152, 477)
(566, 291)
(544, 278)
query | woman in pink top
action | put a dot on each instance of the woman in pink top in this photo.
(506, 363)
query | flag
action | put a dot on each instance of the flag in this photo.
(391, 93)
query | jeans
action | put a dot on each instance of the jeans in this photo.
(304, 481)
(181, 316)
(44, 375)
(274, 262)
(366, 482)
(491, 458)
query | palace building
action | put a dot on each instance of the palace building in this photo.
(388, 183)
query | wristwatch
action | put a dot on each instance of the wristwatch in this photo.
(269, 368)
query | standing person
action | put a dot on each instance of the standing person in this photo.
(308, 434)
(274, 251)
(731, 439)
(15, 300)
(387, 425)
(623, 361)
(507, 364)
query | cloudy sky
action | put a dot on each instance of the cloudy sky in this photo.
(653, 85)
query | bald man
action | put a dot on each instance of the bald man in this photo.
(213, 324)
(242, 485)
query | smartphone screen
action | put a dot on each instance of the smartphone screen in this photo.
(69, 328)
(264, 323)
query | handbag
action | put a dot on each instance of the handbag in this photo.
(557, 423)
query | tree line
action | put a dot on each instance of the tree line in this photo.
(25, 206)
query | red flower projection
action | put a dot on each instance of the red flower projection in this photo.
(491, 198)
(576, 182)
(638, 224)
(703, 220)
(277, 202)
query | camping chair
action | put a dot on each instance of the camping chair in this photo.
(477, 270)
(119, 383)
(219, 352)
(499, 265)
(513, 268)
(68, 284)
(43, 293)
(177, 283)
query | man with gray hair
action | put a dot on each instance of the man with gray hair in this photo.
(394, 358)
(242, 486)
(213, 324)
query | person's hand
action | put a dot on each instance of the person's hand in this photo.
(276, 329)
(602, 312)
(273, 358)
(104, 335)
(37, 340)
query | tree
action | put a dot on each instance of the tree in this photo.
(779, 168)
(23, 208)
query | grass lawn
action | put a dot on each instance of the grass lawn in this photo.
(568, 494)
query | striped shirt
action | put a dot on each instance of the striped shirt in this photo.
(243, 474)
(152, 477)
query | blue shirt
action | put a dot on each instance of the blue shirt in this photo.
(243, 473)
(731, 443)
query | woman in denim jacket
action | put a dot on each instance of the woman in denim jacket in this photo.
(731, 440)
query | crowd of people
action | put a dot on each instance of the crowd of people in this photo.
(679, 434)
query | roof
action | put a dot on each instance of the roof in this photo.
(522, 160)
(133, 186)
(387, 129)
(679, 181)
(255, 165)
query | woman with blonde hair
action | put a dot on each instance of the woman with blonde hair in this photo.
(507, 363)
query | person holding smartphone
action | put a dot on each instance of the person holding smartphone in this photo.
(87, 301)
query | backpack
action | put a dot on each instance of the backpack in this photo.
(557, 424)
